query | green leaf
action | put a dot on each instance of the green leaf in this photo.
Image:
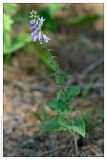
(64, 122)
(52, 125)
(19, 42)
(10, 8)
(62, 106)
(60, 123)
(44, 114)
(7, 28)
(53, 104)
(7, 22)
(71, 92)
(78, 126)
(58, 106)
(56, 123)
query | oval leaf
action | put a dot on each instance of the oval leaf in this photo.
(52, 125)
(56, 123)
(71, 92)
(78, 126)
(58, 106)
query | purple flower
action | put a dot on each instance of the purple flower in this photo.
(41, 21)
(36, 25)
(35, 34)
(46, 39)
(32, 21)
(39, 36)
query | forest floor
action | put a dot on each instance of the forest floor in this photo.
(27, 88)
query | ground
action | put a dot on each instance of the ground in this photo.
(27, 88)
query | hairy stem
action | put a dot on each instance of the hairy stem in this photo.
(57, 69)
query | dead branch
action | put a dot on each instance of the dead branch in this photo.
(93, 66)
(32, 88)
(54, 150)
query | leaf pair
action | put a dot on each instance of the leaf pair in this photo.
(62, 105)
(58, 106)
(59, 123)
(71, 92)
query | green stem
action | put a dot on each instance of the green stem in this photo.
(57, 70)
(75, 142)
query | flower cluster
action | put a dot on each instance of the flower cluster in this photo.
(36, 24)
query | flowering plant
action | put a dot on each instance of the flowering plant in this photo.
(36, 25)
(64, 96)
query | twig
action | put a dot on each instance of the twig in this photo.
(27, 87)
(69, 154)
(90, 147)
(84, 73)
(20, 85)
(32, 88)
(97, 154)
(93, 66)
(96, 86)
(54, 150)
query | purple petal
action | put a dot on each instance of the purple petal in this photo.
(41, 21)
(46, 39)
(35, 32)
(39, 36)
(32, 22)
(35, 38)
(34, 26)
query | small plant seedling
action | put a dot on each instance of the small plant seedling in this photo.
(64, 121)
(42, 117)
